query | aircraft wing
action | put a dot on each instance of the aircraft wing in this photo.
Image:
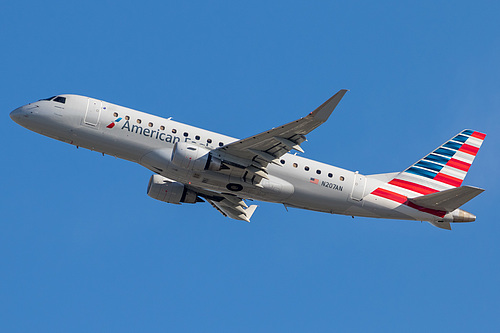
(228, 205)
(269, 146)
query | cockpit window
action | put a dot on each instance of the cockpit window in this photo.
(60, 99)
(48, 99)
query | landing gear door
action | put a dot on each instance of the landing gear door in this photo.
(93, 112)
(358, 189)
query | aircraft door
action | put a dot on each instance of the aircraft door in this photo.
(93, 112)
(358, 188)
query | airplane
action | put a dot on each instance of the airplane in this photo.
(192, 165)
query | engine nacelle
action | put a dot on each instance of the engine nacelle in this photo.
(164, 189)
(189, 156)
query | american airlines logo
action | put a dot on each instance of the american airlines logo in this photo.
(112, 124)
(152, 133)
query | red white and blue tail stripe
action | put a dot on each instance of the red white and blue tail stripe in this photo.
(444, 168)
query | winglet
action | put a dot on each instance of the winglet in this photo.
(325, 110)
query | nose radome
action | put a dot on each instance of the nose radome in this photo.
(17, 114)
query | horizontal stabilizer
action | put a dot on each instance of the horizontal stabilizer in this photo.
(447, 200)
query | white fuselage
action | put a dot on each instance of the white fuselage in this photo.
(148, 140)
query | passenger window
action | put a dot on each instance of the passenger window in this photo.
(60, 99)
(185, 134)
(221, 144)
(341, 178)
(138, 121)
(295, 165)
(318, 172)
(127, 118)
(306, 168)
(197, 137)
(174, 130)
(330, 175)
(209, 140)
(115, 114)
(282, 161)
(162, 127)
(150, 124)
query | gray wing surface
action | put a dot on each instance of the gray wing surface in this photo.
(267, 147)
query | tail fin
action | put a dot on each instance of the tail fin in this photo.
(433, 184)
(444, 168)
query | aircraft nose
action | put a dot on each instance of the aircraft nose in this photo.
(17, 114)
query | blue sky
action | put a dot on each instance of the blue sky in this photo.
(83, 248)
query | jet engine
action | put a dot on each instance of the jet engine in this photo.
(191, 156)
(164, 189)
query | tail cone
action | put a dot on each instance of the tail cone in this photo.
(460, 215)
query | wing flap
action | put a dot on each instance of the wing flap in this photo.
(228, 205)
(448, 200)
(236, 212)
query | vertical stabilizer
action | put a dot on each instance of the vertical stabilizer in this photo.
(433, 184)
(444, 168)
